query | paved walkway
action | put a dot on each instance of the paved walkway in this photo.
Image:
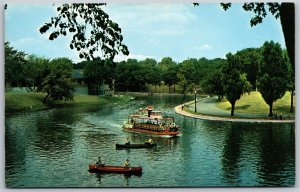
(208, 110)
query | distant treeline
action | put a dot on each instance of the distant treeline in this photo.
(266, 68)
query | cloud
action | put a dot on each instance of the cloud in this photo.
(139, 57)
(156, 18)
(203, 47)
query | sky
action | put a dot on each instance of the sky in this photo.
(150, 30)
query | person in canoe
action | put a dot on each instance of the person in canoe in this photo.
(128, 142)
(126, 163)
(149, 141)
(99, 162)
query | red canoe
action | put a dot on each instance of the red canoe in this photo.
(115, 169)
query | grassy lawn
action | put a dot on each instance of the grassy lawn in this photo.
(255, 104)
(16, 101)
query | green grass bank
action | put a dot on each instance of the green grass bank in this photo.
(15, 101)
(254, 103)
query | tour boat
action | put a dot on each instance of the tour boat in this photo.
(135, 145)
(149, 121)
(114, 169)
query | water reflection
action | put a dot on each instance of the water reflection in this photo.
(126, 177)
(40, 146)
(276, 152)
(231, 154)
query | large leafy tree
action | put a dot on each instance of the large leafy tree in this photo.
(57, 84)
(273, 73)
(213, 84)
(152, 73)
(131, 75)
(233, 80)
(170, 77)
(98, 72)
(169, 70)
(250, 59)
(186, 76)
(37, 69)
(15, 63)
(165, 64)
(285, 11)
(94, 34)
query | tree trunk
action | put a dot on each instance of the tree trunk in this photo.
(97, 89)
(155, 88)
(271, 110)
(232, 108)
(174, 88)
(287, 18)
(169, 89)
(44, 101)
(292, 102)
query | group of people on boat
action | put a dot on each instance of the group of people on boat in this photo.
(161, 127)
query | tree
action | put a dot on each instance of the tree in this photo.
(36, 70)
(213, 85)
(93, 30)
(232, 80)
(273, 74)
(165, 64)
(98, 72)
(170, 76)
(152, 72)
(57, 84)
(15, 63)
(250, 59)
(285, 11)
(186, 76)
(131, 75)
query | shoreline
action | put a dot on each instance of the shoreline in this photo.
(178, 110)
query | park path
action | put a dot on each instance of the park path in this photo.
(208, 110)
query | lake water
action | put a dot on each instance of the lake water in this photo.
(52, 148)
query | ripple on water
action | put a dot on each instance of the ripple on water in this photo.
(53, 148)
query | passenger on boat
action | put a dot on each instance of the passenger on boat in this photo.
(126, 163)
(99, 163)
(149, 141)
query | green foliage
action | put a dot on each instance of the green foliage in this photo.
(57, 84)
(247, 87)
(273, 73)
(98, 71)
(36, 70)
(213, 84)
(93, 30)
(186, 76)
(15, 65)
(232, 80)
(259, 9)
(250, 60)
(170, 76)
(285, 11)
(165, 64)
(130, 76)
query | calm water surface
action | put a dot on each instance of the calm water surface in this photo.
(52, 148)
